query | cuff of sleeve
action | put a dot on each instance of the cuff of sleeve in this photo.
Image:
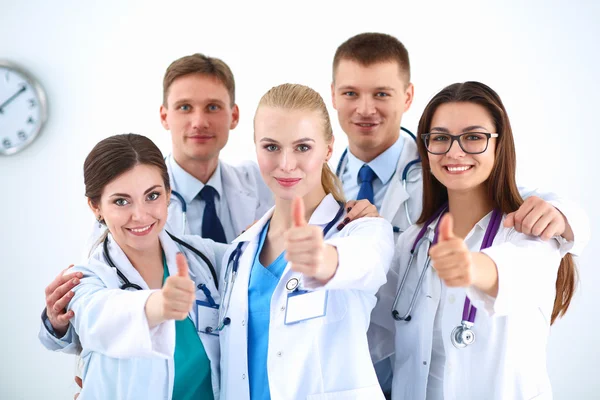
(66, 339)
(579, 223)
(503, 302)
(161, 338)
(313, 284)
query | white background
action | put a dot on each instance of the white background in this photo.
(102, 68)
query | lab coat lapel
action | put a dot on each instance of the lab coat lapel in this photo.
(396, 195)
(242, 204)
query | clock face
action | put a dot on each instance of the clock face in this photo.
(22, 108)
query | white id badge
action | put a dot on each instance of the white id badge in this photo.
(303, 305)
(207, 317)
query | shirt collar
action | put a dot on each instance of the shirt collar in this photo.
(188, 186)
(384, 165)
(480, 226)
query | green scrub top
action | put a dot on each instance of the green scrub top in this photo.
(192, 366)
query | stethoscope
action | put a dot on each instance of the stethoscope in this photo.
(127, 284)
(181, 200)
(405, 172)
(463, 334)
(233, 264)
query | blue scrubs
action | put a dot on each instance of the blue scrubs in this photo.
(263, 281)
(192, 366)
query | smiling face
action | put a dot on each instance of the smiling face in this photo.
(370, 101)
(199, 114)
(134, 207)
(291, 151)
(457, 170)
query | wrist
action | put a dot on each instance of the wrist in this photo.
(485, 274)
(54, 329)
(330, 263)
(568, 232)
(154, 309)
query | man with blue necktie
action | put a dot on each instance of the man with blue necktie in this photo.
(371, 90)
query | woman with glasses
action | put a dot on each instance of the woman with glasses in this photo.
(474, 300)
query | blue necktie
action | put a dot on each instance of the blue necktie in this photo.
(211, 224)
(366, 176)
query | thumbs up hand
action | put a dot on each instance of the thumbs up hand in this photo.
(305, 248)
(450, 256)
(178, 292)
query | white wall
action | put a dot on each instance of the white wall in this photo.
(102, 69)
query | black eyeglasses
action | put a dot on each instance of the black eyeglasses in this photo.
(469, 142)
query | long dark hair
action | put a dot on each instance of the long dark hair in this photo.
(501, 184)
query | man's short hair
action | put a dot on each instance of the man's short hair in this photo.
(199, 64)
(371, 48)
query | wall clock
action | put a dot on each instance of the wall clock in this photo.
(23, 108)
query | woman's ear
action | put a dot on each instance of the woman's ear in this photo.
(95, 209)
(329, 149)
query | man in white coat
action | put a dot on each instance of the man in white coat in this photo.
(371, 90)
(222, 200)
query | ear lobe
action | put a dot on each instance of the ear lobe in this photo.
(235, 116)
(410, 95)
(163, 117)
(333, 96)
(95, 209)
(329, 149)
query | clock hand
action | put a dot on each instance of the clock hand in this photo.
(11, 98)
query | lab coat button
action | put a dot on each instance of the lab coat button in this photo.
(424, 362)
(279, 353)
(282, 308)
(243, 376)
(243, 322)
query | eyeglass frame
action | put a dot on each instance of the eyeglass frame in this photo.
(456, 138)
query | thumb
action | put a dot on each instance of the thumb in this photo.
(182, 266)
(446, 231)
(298, 212)
(509, 221)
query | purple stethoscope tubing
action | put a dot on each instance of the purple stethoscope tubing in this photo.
(469, 311)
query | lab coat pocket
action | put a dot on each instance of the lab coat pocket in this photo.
(337, 304)
(367, 393)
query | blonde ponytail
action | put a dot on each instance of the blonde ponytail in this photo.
(332, 184)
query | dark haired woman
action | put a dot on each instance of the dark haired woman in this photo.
(141, 311)
(479, 325)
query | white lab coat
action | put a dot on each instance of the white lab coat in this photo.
(393, 210)
(122, 357)
(322, 358)
(248, 197)
(508, 358)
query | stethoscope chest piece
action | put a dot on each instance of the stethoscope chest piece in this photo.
(462, 335)
(292, 284)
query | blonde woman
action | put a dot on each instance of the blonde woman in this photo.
(299, 292)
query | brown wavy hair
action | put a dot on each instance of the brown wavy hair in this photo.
(501, 184)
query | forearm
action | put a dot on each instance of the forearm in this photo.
(330, 264)
(153, 309)
(485, 274)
